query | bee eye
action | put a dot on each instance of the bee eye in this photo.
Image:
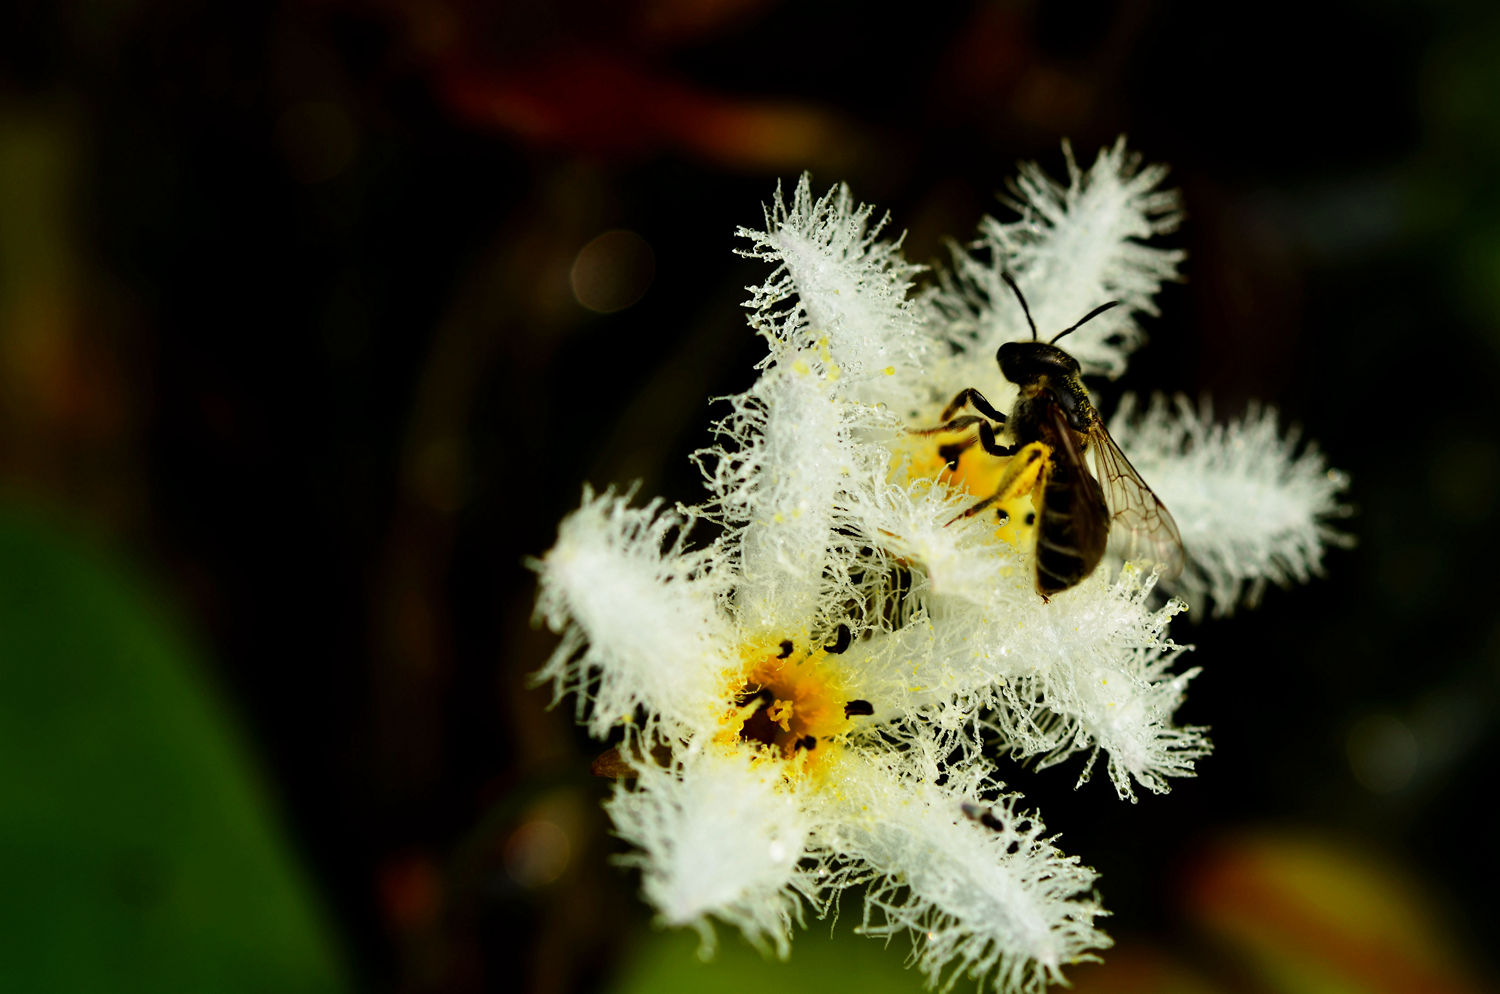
(1014, 359)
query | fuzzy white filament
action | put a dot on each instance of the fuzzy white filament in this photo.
(978, 886)
(636, 632)
(717, 834)
(1074, 246)
(840, 294)
(786, 450)
(1254, 505)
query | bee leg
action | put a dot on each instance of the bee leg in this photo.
(977, 507)
(957, 424)
(1014, 479)
(988, 443)
(968, 396)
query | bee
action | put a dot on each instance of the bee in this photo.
(1053, 428)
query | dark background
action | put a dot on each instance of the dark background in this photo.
(286, 323)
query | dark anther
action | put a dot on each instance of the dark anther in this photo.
(854, 708)
(809, 743)
(1031, 517)
(1003, 516)
(786, 649)
(983, 815)
(841, 640)
(613, 765)
(951, 452)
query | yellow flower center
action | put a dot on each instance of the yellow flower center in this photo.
(956, 460)
(790, 702)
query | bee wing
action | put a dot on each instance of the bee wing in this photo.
(1140, 521)
(1088, 509)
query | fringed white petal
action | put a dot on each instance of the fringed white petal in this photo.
(1096, 675)
(912, 675)
(638, 617)
(718, 834)
(1115, 689)
(1128, 713)
(976, 884)
(786, 454)
(1090, 671)
(1251, 507)
(1074, 247)
(840, 291)
(920, 522)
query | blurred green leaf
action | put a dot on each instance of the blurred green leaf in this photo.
(668, 962)
(137, 850)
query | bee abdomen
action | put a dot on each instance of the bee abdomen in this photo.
(1059, 565)
(1071, 533)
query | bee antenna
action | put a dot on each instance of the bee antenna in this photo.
(1024, 309)
(1083, 320)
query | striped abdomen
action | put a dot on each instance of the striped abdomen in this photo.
(1072, 527)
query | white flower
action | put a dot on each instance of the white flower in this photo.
(810, 701)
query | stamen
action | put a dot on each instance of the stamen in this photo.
(854, 708)
(612, 764)
(792, 703)
(984, 816)
(781, 714)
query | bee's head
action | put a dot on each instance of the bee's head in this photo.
(1026, 362)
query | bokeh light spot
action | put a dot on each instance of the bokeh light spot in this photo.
(613, 271)
(1383, 753)
(537, 853)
